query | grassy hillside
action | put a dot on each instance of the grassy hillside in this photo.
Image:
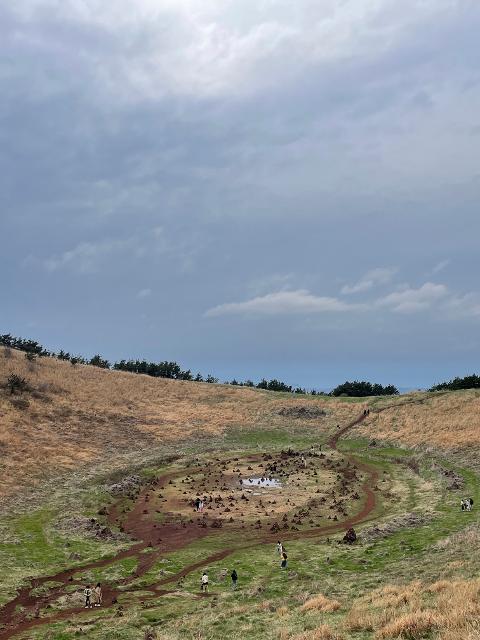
(84, 417)
(412, 573)
(445, 421)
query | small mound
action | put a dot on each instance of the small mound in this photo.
(307, 412)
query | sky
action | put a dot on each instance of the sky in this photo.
(249, 187)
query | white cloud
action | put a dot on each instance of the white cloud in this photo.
(300, 301)
(411, 300)
(144, 293)
(371, 279)
(86, 256)
(405, 300)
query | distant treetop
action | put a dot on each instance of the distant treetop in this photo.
(468, 382)
(360, 389)
(174, 371)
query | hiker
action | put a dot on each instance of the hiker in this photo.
(197, 504)
(204, 582)
(87, 593)
(304, 462)
(283, 564)
(97, 592)
(234, 576)
(279, 548)
(364, 412)
(200, 505)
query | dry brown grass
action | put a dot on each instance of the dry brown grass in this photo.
(414, 624)
(446, 609)
(323, 632)
(84, 415)
(321, 603)
(445, 421)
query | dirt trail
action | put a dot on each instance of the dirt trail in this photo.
(164, 538)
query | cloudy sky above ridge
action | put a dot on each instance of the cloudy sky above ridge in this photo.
(248, 187)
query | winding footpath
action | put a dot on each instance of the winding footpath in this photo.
(23, 611)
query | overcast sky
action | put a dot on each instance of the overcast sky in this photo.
(249, 187)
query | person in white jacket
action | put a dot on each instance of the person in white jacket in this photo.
(87, 592)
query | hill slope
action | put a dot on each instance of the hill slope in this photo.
(140, 536)
(447, 421)
(76, 416)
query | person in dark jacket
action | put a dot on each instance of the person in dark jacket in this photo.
(234, 576)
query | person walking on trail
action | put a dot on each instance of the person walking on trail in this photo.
(279, 548)
(304, 462)
(283, 564)
(204, 582)
(87, 592)
(234, 576)
(97, 592)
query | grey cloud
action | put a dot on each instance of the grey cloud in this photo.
(216, 152)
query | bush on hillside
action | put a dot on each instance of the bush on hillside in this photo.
(468, 382)
(156, 369)
(360, 389)
(274, 385)
(30, 346)
(16, 384)
(98, 361)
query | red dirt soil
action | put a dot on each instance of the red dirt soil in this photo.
(169, 537)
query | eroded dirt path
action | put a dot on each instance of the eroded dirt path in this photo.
(154, 541)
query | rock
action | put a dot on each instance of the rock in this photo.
(350, 536)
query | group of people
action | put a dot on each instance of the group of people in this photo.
(93, 597)
(199, 504)
(234, 575)
(466, 504)
(204, 581)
